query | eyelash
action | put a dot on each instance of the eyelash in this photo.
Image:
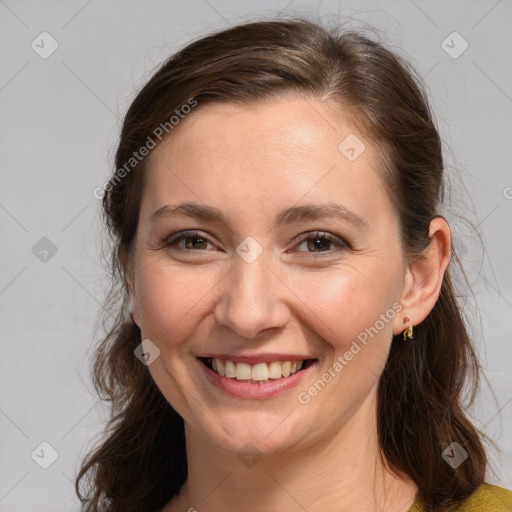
(342, 245)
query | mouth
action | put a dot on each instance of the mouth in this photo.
(259, 373)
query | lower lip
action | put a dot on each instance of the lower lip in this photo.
(241, 389)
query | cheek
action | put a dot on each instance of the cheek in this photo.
(169, 300)
(171, 303)
(338, 304)
(344, 305)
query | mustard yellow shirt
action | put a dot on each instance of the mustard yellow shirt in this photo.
(487, 498)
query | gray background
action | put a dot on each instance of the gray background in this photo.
(61, 117)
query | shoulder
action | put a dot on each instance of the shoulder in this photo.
(488, 498)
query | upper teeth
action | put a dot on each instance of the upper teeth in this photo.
(259, 372)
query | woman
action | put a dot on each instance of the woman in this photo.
(288, 337)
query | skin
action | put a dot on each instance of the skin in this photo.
(252, 163)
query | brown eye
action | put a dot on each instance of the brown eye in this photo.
(193, 241)
(318, 243)
(321, 242)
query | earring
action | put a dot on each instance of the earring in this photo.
(408, 332)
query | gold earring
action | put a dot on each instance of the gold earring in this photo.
(408, 333)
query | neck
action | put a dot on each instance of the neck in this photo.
(343, 473)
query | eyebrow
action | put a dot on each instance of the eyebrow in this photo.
(287, 216)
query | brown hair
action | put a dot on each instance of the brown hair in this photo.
(141, 462)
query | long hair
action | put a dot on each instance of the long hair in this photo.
(140, 463)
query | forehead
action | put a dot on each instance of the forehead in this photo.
(260, 155)
(281, 126)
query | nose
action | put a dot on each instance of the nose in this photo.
(252, 299)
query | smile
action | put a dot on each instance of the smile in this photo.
(255, 377)
(259, 373)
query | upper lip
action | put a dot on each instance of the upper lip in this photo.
(257, 358)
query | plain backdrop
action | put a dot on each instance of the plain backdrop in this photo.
(61, 114)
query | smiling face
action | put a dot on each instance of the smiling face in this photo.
(290, 252)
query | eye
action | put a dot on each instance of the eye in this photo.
(318, 242)
(193, 241)
(322, 242)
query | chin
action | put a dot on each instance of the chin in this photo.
(265, 434)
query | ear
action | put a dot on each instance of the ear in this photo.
(424, 277)
(134, 303)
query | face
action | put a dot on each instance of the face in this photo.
(287, 258)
